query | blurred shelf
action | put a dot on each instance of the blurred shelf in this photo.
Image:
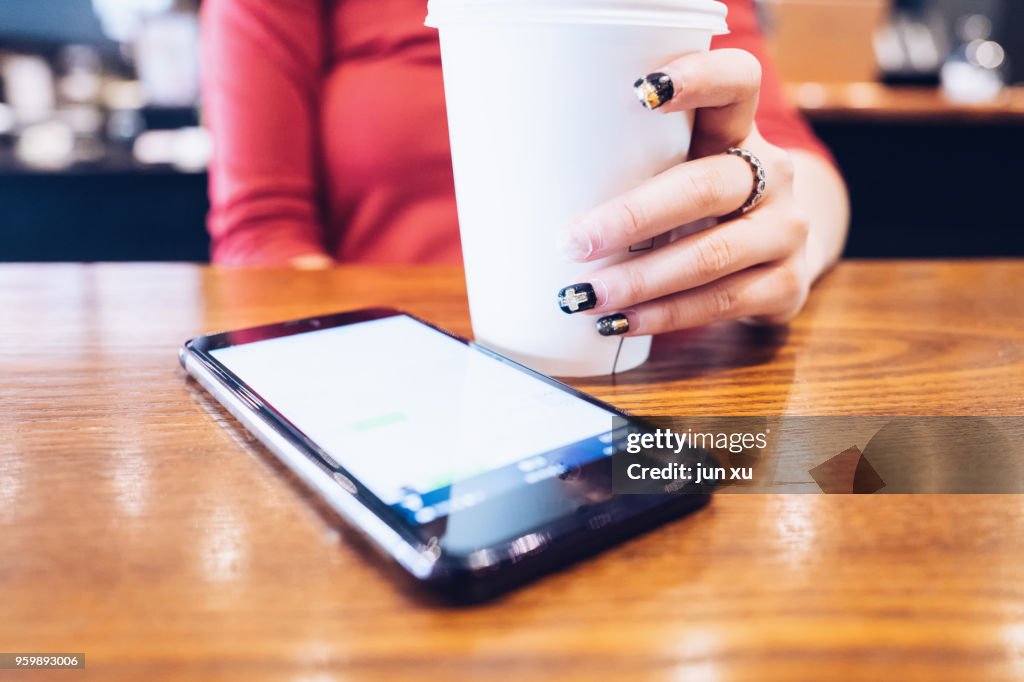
(875, 102)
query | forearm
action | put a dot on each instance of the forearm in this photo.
(269, 238)
(821, 194)
(261, 85)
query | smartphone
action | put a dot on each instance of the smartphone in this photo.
(471, 472)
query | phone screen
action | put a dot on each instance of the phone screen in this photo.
(428, 424)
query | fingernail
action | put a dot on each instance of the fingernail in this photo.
(575, 245)
(613, 325)
(654, 89)
(576, 298)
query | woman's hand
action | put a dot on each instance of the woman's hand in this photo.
(755, 265)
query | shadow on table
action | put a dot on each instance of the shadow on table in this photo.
(698, 352)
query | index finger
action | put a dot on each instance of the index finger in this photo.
(723, 85)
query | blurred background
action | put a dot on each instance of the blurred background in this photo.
(103, 154)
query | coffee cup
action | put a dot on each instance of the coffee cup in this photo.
(544, 124)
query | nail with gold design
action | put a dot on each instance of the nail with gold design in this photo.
(576, 298)
(654, 90)
(613, 325)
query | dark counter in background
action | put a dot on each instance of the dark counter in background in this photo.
(115, 211)
(926, 178)
(931, 191)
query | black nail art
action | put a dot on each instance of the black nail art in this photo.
(654, 89)
(576, 298)
(613, 325)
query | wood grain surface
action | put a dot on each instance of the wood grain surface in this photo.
(140, 525)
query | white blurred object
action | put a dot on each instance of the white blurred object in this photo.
(167, 58)
(985, 54)
(49, 145)
(122, 19)
(967, 83)
(28, 83)
(187, 149)
(923, 51)
(6, 119)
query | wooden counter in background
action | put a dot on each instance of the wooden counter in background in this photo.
(875, 102)
(139, 524)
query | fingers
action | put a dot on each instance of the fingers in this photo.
(750, 267)
(709, 187)
(311, 261)
(772, 292)
(696, 260)
(723, 85)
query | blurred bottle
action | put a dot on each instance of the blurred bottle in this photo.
(124, 100)
(79, 82)
(81, 75)
(912, 46)
(167, 60)
(161, 38)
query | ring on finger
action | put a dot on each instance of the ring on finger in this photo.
(760, 179)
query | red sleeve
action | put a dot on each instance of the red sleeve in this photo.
(263, 63)
(779, 122)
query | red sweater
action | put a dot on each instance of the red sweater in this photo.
(330, 134)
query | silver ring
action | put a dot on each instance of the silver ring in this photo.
(760, 178)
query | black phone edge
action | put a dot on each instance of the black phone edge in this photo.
(464, 587)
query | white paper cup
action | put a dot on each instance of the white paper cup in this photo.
(544, 125)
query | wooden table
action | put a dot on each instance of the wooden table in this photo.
(140, 525)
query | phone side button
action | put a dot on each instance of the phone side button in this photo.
(345, 482)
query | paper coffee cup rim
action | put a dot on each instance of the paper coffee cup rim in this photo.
(706, 15)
